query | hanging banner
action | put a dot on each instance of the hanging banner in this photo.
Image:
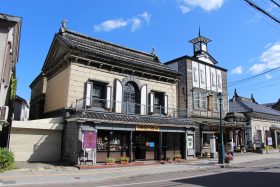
(89, 139)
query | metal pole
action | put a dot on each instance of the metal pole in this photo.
(222, 151)
(130, 147)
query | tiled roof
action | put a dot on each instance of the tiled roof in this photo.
(133, 119)
(246, 105)
(119, 55)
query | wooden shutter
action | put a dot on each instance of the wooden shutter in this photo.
(118, 95)
(210, 103)
(144, 100)
(152, 96)
(165, 104)
(108, 97)
(88, 93)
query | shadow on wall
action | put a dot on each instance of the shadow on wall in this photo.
(233, 179)
(40, 145)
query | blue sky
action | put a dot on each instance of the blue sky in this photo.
(243, 40)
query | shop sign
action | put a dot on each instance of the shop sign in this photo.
(190, 141)
(269, 140)
(89, 139)
(147, 128)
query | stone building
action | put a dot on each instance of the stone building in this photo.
(263, 123)
(10, 28)
(116, 101)
(38, 91)
(21, 111)
(198, 91)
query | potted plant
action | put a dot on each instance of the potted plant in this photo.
(169, 159)
(177, 157)
(124, 160)
(110, 161)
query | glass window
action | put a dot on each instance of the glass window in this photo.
(203, 100)
(200, 99)
(102, 140)
(196, 99)
(97, 92)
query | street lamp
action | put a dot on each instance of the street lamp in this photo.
(222, 151)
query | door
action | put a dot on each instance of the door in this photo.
(140, 146)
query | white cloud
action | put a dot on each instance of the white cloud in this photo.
(257, 68)
(270, 59)
(268, 76)
(237, 70)
(110, 25)
(135, 23)
(184, 9)
(146, 16)
(207, 5)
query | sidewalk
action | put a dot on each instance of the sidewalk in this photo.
(46, 173)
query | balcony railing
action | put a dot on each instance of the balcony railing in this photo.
(127, 108)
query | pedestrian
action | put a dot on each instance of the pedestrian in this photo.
(231, 148)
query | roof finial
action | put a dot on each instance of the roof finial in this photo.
(235, 94)
(252, 98)
(153, 50)
(199, 31)
(63, 25)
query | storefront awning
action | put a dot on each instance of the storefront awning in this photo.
(216, 122)
(102, 117)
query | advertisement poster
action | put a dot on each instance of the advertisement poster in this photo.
(89, 139)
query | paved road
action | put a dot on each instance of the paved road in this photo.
(178, 174)
(265, 173)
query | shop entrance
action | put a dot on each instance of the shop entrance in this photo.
(146, 144)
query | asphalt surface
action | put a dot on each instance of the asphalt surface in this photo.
(245, 170)
(260, 173)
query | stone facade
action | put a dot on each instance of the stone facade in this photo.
(38, 92)
(201, 75)
(125, 99)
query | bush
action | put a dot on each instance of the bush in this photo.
(110, 160)
(7, 160)
(124, 159)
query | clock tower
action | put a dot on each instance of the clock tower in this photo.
(199, 44)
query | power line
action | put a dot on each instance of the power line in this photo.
(268, 21)
(233, 83)
(252, 4)
(275, 3)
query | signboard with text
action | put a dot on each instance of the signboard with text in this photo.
(89, 139)
(147, 128)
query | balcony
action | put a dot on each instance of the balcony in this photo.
(103, 105)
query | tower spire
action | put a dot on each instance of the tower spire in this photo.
(199, 31)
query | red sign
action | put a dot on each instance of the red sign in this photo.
(89, 140)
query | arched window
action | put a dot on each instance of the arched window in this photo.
(131, 98)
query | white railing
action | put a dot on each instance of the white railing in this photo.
(127, 108)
